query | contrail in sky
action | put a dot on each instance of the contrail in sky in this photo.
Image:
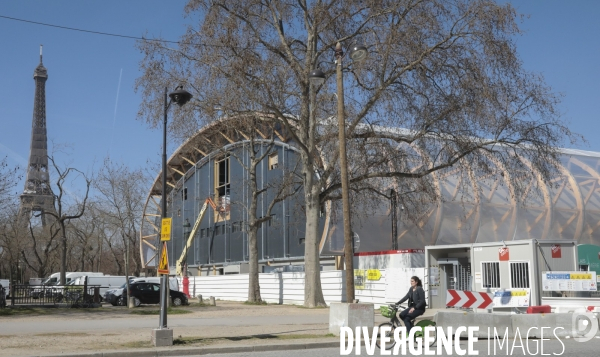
(115, 114)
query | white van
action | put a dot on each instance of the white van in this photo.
(106, 282)
(54, 279)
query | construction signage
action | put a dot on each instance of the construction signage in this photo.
(468, 299)
(359, 279)
(569, 281)
(163, 266)
(512, 298)
(165, 229)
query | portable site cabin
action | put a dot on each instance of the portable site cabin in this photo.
(490, 267)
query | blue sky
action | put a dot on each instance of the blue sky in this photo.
(91, 106)
(86, 119)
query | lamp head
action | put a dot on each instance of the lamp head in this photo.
(180, 96)
(358, 53)
(316, 77)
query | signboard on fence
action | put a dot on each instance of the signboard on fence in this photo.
(512, 298)
(359, 279)
(569, 281)
(373, 274)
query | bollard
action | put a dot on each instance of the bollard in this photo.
(212, 301)
(199, 299)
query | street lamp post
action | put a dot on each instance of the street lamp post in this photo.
(394, 211)
(357, 54)
(179, 96)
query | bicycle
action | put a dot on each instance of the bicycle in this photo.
(391, 311)
(69, 297)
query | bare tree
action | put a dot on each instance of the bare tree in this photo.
(258, 151)
(85, 231)
(33, 244)
(443, 86)
(121, 200)
(9, 176)
(64, 212)
(40, 253)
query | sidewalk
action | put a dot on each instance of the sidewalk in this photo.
(115, 331)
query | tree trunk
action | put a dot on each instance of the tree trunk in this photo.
(253, 285)
(313, 294)
(63, 260)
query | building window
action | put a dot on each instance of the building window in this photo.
(519, 275)
(273, 161)
(222, 189)
(490, 275)
(184, 194)
(222, 185)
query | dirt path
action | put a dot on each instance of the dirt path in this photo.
(111, 328)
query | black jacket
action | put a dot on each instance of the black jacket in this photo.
(419, 301)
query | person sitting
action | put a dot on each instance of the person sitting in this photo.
(416, 302)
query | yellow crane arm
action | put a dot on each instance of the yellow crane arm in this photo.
(190, 240)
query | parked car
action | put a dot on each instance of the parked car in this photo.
(6, 284)
(147, 293)
(2, 297)
(113, 295)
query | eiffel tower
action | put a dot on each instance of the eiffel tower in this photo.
(37, 195)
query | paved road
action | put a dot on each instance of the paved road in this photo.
(551, 347)
(129, 322)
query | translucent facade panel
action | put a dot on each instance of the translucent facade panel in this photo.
(474, 208)
(568, 207)
(459, 210)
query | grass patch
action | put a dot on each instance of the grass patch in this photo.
(190, 341)
(57, 334)
(170, 311)
(183, 341)
(255, 302)
(20, 311)
(138, 344)
(199, 304)
(316, 307)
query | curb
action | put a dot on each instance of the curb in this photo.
(191, 351)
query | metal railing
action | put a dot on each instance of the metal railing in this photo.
(55, 295)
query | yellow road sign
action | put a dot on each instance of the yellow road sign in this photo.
(165, 230)
(163, 266)
(373, 274)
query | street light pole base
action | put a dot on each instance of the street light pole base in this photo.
(162, 337)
